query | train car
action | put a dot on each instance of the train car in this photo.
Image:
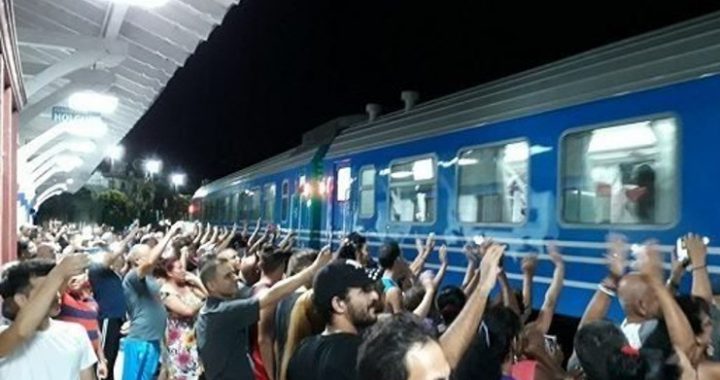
(615, 140)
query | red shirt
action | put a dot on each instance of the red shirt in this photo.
(82, 310)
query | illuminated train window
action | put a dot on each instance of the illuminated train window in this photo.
(493, 183)
(413, 190)
(623, 174)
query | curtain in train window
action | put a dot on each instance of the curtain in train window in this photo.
(285, 204)
(344, 181)
(269, 198)
(367, 192)
(412, 191)
(624, 174)
(493, 183)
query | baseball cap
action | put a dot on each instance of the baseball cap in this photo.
(335, 279)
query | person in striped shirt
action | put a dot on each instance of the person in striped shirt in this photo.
(78, 306)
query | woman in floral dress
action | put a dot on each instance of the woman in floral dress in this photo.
(183, 296)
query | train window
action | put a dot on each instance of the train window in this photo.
(285, 204)
(493, 183)
(623, 174)
(255, 203)
(269, 197)
(367, 192)
(412, 190)
(344, 180)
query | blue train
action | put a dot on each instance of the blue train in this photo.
(618, 139)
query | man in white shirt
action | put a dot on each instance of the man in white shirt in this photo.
(34, 347)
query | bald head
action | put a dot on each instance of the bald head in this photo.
(637, 298)
(139, 252)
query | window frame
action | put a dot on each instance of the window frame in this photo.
(559, 199)
(434, 181)
(374, 191)
(529, 180)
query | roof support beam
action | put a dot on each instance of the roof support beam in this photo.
(114, 18)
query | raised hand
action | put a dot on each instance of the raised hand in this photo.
(529, 263)
(489, 268)
(650, 262)
(324, 257)
(617, 256)
(427, 279)
(443, 255)
(430, 242)
(72, 265)
(696, 250)
(554, 254)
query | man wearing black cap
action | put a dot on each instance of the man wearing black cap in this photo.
(345, 297)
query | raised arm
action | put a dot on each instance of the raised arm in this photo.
(551, 296)
(698, 259)
(431, 284)
(600, 303)
(460, 333)
(146, 267)
(472, 262)
(417, 265)
(288, 285)
(35, 311)
(206, 237)
(215, 233)
(288, 241)
(529, 263)
(198, 234)
(681, 334)
(255, 232)
(121, 248)
(226, 242)
(506, 293)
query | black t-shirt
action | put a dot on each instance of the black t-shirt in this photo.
(331, 356)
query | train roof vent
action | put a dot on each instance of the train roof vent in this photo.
(373, 111)
(409, 98)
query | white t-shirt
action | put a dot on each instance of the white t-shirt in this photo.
(59, 353)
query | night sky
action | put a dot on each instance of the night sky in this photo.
(277, 68)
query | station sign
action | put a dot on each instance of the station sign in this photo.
(63, 114)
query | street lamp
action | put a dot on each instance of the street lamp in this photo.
(152, 167)
(177, 180)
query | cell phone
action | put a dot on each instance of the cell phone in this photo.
(551, 343)
(681, 250)
(479, 239)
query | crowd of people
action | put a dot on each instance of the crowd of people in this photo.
(187, 301)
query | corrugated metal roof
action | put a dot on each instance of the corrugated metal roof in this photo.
(152, 44)
(678, 53)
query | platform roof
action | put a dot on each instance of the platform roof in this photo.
(108, 46)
